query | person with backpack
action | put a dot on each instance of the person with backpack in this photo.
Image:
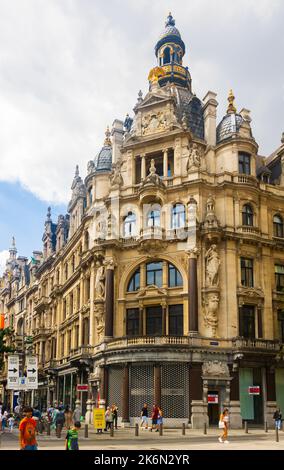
(71, 442)
(27, 430)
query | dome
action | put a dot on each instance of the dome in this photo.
(229, 125)
(170, 34)
(103, 160)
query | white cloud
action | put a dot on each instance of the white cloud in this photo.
(4, 255)
(68, 69)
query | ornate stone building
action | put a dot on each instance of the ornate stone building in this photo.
(165, 282)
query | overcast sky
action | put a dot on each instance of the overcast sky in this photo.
(68, 68)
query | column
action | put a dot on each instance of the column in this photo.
(143, 167)
(165, 275)
(192, 293)
(142, 275)
(109, 302)
(164, 318)
(141, 315)
(165, 163)
(198, 411)
(80, 313)
(92, 291)
(125, 394)
(157, 384)
(235, 407)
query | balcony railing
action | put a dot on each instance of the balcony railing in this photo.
(248, 229)
(245, 179)
(264, 344)
(83, 351)
(41, 304)
(151, 233)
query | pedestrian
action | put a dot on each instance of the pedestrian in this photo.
(144, 416)
(277, 418)
(114, 410)
(1, 419)
(108, 418)
(155, 412)
(68, 417)
(77, 414)
(27, 430)
(71, 442)
(159, 418)
(11, 422)
(59, 421)
(224, 425)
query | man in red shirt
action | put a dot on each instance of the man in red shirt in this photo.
(155, 413)
(27, 428)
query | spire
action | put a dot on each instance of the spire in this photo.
(48, 215)
(231, 108)
(77, 171)
(13, 249)
(107, 141)
(170, 21)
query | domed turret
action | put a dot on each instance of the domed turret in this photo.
(103, 159)
(169, 51)
(230, 123)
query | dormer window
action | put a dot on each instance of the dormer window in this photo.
(244, 163)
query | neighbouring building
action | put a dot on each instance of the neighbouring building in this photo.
(164, 283)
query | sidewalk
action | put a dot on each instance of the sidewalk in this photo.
(125, 439)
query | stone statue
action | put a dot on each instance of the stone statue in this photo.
(184, 121)
(100, 321)
(100, 283)
(194, 159)
(212, 267)
(211, 220)
(116, 178)
(211, 305)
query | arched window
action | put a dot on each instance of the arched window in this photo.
(175, 279)
(247, 215)
(134, 283)
(130, 225)
(167, 56)
(278, 226)
(154, 218)
(178, 216)
(20, 327)
(154, 274)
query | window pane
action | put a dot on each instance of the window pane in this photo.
(154, 320)
(134, 283)
(132, 325)
(176, 320)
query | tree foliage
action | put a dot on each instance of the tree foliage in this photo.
(5, 334)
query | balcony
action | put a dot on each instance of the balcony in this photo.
(83, 351)
(37, 332)
(249, 230)
(184, 341)
(41, 304)
(245, 179)
(149, 233)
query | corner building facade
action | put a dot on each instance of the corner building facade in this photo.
(165, 282)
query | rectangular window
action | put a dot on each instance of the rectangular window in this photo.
(244, 163)
(154, 320)
(279, 277)
(154, 273)
(247, 272)
(247, 322)
(138, 170)
(132, 321)
(176, 320)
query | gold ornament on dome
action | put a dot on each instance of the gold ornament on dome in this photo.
(155, 74)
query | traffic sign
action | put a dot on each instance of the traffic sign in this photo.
(13, 372)
(31, 363)
(82, 388)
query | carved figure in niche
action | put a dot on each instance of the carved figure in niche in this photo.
(212, 266)
(210, 218)
(211, 308)
(194, 159)
(100, 321)
(100, 282)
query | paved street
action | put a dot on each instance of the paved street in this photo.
(124, 439)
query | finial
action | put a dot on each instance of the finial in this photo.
(282, 139)
(77, 171)
(13, 242)
(107, 139)
(140, 96)
(231, 108)
(170, 21)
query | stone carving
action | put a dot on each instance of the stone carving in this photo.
(215, 368)
(100, 320)
(153, 178)
(100, 282)
(90, 167)
(194, 158)
(282, 171)
(212, 266)
(211, 220)
(116, 178)
(211, 304)
(152, 123)
(184, 121)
